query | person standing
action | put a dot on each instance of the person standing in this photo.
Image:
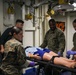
(7, 33)
(74, 36)
(74, 39)
(54, 38)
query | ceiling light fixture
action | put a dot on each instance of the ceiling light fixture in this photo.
(63, 7)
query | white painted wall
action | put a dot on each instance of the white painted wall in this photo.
(28, 30)
(18, 12)
(34, 37)
(8, 19)
(1, 16)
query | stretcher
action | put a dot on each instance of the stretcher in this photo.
(46, 64)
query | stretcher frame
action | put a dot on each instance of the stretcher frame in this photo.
(73, 70)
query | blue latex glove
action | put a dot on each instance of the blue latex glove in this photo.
(59, 53)
(70, 53)
(32, 64)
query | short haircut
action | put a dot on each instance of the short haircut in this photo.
(52, 20)
(20, 21)
(74, 21)
(16, 30)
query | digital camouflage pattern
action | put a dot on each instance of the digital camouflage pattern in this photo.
(14, 58)
(54, 40)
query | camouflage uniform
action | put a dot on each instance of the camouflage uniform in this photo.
(55, 40)
(14, 58)
(74, 41)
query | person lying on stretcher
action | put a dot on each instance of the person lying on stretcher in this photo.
(46, 54)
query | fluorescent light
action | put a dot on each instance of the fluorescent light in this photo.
(63, 6)
(74, 4)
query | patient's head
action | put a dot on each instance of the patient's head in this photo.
(17, 33)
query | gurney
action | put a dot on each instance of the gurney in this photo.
(46, 65)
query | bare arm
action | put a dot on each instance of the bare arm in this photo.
(2, 49)
(34, 56)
